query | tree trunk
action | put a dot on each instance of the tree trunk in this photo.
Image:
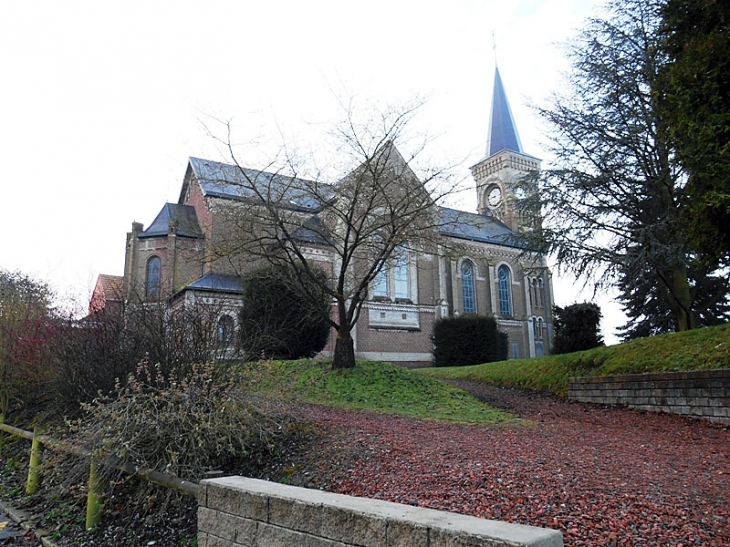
(679, 296)
(344, 356)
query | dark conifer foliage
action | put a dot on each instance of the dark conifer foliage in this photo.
(281, 320)
(577, 327)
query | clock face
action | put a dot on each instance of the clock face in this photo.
(494, 197)
(520, 192)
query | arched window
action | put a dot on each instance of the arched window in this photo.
(225, 329)
(538, 325)
(467, 287)
(505, 291)
(152, 283)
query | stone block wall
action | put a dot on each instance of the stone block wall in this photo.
(236, 511)
(698, 394)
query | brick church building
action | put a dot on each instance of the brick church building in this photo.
(170, 260)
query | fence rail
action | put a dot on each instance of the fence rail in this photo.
(93, 504)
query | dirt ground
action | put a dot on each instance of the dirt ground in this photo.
(602, 476)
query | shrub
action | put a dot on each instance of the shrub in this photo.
(283, 315)
(185, 425)
(93, 355)
(577, 327)
(468, 340)
(28, 324)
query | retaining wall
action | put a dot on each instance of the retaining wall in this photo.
(698, 394)
(237, 511)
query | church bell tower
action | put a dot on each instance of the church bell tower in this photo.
(502, 175)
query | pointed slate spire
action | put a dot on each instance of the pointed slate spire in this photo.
(502, 129)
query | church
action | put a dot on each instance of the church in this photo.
(171, 260)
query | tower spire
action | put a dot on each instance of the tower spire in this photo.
(502, 129)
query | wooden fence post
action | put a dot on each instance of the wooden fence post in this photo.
(94, 505)
(34, 469)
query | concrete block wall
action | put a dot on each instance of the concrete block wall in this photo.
(698, 394)
(237, 511)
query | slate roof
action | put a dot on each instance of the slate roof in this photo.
(502, 129)
(218, 283)
(476, 227)
(183, 215)
(231, 182)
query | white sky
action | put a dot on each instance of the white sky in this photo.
(101, 102)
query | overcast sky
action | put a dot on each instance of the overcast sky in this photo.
(103, 102)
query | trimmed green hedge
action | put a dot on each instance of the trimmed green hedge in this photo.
(468, 340)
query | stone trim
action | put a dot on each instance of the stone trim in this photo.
(237, 512)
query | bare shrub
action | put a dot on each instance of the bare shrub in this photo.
(183, 424)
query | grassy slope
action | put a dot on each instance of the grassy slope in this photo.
(699, 349)
(373, 386)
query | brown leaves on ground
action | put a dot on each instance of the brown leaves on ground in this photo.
(601, 476)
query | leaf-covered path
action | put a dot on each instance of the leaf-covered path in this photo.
(602, 476)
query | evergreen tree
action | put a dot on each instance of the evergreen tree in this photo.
(614, 204)
(694, 96)
(649, 314)
(279, 319)
(577, 327)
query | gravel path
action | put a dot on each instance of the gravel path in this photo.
(602, 476)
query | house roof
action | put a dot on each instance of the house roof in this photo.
(108, 290)
(218, 283)
(183, 216)
(502, 129)
(111, 285)
(233, 182)
(476, 227)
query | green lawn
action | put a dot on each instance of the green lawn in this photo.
(699, 349)
(371, 386)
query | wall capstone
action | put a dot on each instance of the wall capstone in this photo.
(238, 511)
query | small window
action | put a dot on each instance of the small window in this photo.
(538, 325)
(467, 287)
(515, 351)
(505, 291)
(541, 293)
(152, 284)
(533, 292)
(225, 330)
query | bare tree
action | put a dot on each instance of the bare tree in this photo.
(350, 229)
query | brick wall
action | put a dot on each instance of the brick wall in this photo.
(698, 394)
(236, 511)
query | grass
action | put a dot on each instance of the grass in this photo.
(700, 349)
(371, 386)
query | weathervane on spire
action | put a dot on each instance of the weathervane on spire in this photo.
(494, 48)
